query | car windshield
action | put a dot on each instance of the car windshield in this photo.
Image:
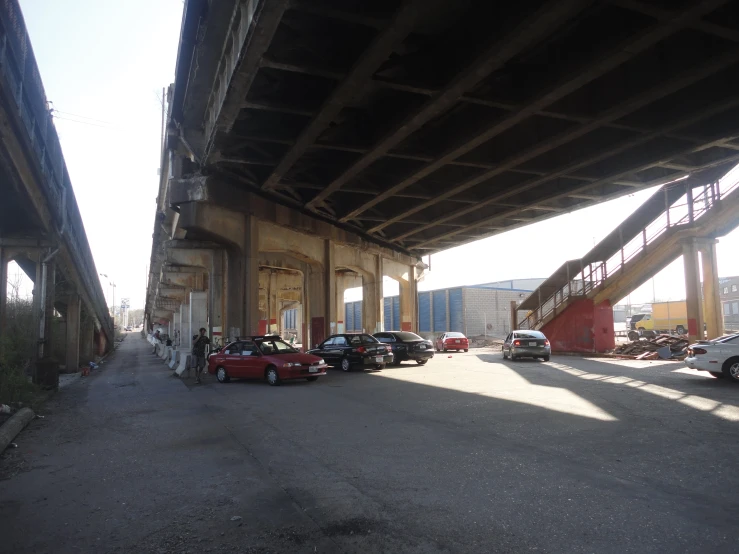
(455, 336)
(407, 337)
(529, 335)
(275, 346)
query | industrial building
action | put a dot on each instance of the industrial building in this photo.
(729, 293)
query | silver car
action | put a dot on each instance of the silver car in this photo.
(527, 344)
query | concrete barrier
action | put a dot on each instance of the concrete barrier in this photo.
(165, 352)
(10, 429)
(184, 363)
(174, 359)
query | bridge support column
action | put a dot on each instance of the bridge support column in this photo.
(329, 289)
(251, 276)
(3, 289)
(73, 333)
(341, 287)
(372, 305)
(408, 299)
(198, 317)
(693, 294)
(87, 339)
(711, 290)
(216, 293)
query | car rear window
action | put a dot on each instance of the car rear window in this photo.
(455, 336)
(529, 335)
(363, 339)
(406, 336)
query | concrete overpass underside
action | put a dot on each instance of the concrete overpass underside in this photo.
(328, 138)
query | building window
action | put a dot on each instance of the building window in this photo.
(733, 288)
(735, 308)
(726, 290)
(727, 309)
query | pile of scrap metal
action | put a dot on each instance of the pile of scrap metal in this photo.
(662, 347)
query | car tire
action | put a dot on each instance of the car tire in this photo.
(222, 375)
(505, 355)
(380, 366)
(545, 358)
(312, 378)
(633, 335)
(731, 369)
(421, 362)
(466, 350)
(513, 357)
(345, 364)
(273, 378)
(680, 330)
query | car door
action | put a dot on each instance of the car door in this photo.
(324, 351)
(339, 348)
(252, 360)
(233, 360)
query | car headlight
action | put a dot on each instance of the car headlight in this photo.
(321, 361)
(289, 364)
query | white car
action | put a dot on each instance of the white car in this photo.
(719, 357)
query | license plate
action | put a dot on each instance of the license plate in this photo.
(379, 359)
(312, 370)
(456, 341)
(532, 343)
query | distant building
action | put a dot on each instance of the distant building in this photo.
(729, 293)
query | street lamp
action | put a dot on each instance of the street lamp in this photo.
(112, 284)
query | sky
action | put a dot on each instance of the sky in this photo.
(104, 64)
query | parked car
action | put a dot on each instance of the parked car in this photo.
(719, 357)
(452, 341)
(264, 357)
(351, 350)
(407, 346)
(527, 344)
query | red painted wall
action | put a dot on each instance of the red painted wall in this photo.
(582, 327)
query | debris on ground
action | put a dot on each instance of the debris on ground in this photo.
(662, 347)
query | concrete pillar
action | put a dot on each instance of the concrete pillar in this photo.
(198, 317)
(234, 293)
(308, 341)
(3, 289)
(408, 298)
(694, 297)
(176, 328)
(251, 276)
(87, 339)
(711, 291)
(216, 296)
(372, 299)
(273, 306)
(73, 333)
(340, 313)
(329, 288)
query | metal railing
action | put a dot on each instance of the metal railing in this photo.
(683, 213)
(20, 79)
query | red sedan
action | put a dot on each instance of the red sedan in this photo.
(452, 341)
(264, 357)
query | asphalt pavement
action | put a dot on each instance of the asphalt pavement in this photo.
(469, 453)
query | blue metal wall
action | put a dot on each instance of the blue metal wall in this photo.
(349, 316)
(456, 310)
(424, 312)
(358, 316)
(439, 305)
(391, 313)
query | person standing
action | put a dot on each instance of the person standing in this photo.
(199, 342)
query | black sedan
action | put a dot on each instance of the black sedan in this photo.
(350, 350)
(407, 346)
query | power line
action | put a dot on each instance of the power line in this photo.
(54, 110)
(82, 122)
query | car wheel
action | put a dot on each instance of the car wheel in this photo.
(505, 355)
(221, 375)
(680, 330)
(345, 365)
(421, 362)
(545, 358)
(311, 379)
(633, 335)
(380, 366)
(466, 350)
(273, 378)
(731, 369)
(513, 357)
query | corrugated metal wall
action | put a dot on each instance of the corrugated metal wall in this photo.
(456, 310)
(439, 306)
(424, 312)
(391, 313)
(357, 316)
(349, 316)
